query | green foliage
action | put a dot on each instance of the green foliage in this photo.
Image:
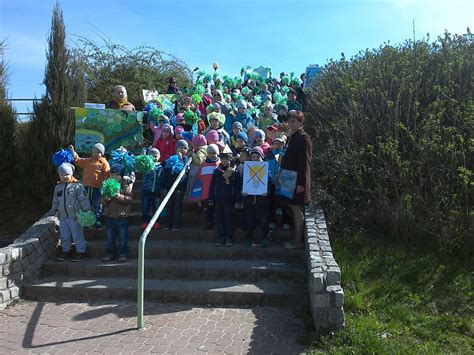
(7, 126)
(392, 139)
(400, 299)
(107, 65)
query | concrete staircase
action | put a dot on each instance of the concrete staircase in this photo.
(183, 266)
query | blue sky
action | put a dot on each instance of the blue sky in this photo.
(286, 35)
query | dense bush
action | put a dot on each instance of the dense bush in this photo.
(393, 146)
(106, 65)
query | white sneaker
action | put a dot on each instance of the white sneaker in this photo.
(272, 226)
(286, 227)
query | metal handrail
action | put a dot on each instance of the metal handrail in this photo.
(141, 245)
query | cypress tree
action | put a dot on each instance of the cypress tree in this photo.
(7, 127)
(52, 125)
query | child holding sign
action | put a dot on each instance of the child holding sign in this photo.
(254, 191)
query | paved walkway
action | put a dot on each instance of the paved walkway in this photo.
(100, 327)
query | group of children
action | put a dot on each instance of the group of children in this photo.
(227, 132)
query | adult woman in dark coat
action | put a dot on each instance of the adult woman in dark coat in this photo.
(298, 158)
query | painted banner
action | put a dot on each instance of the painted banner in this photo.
(255, 178)
(112, 128)
(286, 185)
(202, 182)
(165, 101)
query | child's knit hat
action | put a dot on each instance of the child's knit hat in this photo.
(178, 129)
(180, 118)
(167, 128)
(116, 169)
(257, 150)
(199, 141)
(100, 147)
(182, 144)
(153, 151)
(241, 104)
(259, 134)
(238, 125)
(212, 148)
(66, 169)
(243, 136)
(212, 136)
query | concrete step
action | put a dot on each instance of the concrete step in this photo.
(196, 233)
(237, 270)
(200, 250)
(216, 293)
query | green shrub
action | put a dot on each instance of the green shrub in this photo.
(392, 146)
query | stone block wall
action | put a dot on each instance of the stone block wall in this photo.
(324, 275)
(21, 261)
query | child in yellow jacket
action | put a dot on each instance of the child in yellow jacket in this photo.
(96, 169)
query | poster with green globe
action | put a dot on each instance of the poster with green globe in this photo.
(112, 128)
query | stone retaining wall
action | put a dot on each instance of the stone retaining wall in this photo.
(21, 261)
(324, 275)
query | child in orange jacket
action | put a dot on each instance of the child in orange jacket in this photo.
(96, 169)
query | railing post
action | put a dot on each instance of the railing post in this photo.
(141, 276)
(141, 247)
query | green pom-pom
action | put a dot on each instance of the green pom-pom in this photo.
(278, 98)
(295, 81)
(245, 90)
(242, 71)
(196, 98)
(110, 188)
(240, 98)
(85, 219)
(154, 114)
(144, 164)
(257, 100)
(201, 73)
(190, 117)
(285, 89)
(210, 108)
(208, 77)
(200, 89)
(285, 80)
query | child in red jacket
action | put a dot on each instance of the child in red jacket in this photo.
(166, 144)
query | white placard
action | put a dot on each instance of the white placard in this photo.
(149, 95)
(93, 105)
(255, 178)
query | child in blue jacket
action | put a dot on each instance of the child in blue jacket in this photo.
(151, 187)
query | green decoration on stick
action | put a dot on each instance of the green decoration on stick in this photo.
(190, 117)
(85, 219)
(196, 98)
(110, 188)
(144, 164)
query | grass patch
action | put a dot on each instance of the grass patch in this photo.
(401, 299)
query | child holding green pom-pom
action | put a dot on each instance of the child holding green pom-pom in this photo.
(69, 198)
(151, 187)
(116, 212)
(96, 170)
